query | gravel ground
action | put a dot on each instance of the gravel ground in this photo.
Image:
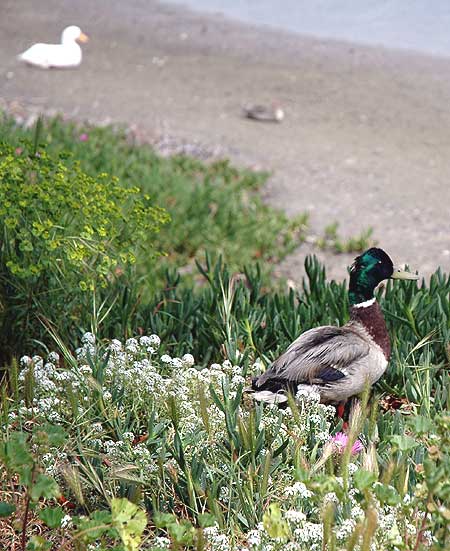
(365, 141)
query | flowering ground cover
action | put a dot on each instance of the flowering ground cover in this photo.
(210, 469)
(125, 425)
(213, 206)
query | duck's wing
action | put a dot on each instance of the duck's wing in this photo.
(258, 112)
(318, 356)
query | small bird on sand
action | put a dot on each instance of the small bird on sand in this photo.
(338, 362)
(264, 113)
(64, 55)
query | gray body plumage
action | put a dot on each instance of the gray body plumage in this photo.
(338, 362)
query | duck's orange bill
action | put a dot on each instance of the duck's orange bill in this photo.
(83, 38)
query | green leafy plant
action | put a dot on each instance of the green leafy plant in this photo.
(274, 524)
(332, 241)
(64, 235)
(160, 450)
(126, 521)
(213, 206)
(19, 456)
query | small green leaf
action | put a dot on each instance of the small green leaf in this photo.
(15, 452)
(274, 524)
(364, 479)
(6, 509)
(162, 520)
(52, 516)
(38, 543)
(387, 495)
(420, 424)
(129, 521)
(404, 443)
(182, 533)
(206, 520)
(45, 486)
(56, 434)
(94, 527)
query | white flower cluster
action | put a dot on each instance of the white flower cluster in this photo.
(311, 423)
(298, 489)
(131, 382)
(216, 540)
(131, 376)
(304, 512)
(46, 381)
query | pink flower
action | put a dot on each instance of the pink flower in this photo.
(19, 151)
(83, 137)
(340, 440)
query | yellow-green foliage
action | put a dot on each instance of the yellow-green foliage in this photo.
(63, 231)
(57, 219)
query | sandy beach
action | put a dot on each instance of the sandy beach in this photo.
(365, 141)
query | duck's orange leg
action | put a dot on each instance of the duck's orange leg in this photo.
(340, 411)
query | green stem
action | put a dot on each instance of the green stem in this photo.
(27, 510)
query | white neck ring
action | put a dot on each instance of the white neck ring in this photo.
(364, 304)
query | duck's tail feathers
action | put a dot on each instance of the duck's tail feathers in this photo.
(267, 396)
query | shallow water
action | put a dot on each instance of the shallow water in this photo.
(421, 25)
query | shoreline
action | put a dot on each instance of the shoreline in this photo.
(218, 16)
(367, 129)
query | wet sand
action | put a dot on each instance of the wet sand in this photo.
(365, 142)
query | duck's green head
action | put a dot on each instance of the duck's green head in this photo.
(368, 270)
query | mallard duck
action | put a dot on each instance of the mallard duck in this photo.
(66, 54)
(272, 113)
(338, 362)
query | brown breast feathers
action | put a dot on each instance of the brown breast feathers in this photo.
(372, 319)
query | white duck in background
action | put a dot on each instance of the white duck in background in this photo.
(66, 54)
